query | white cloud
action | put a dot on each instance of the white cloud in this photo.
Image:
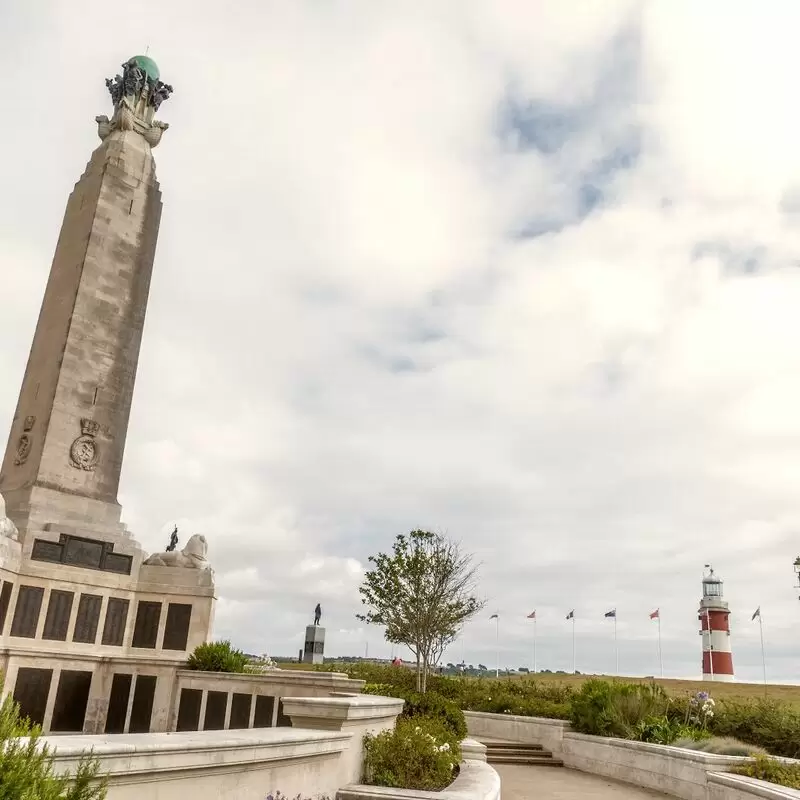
(492, 268)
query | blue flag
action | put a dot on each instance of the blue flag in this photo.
(612, 613)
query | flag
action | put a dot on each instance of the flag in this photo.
(612, 614)
(532, 615)
(756, 613)
(571, 614)
(655, 614)
(494, 616)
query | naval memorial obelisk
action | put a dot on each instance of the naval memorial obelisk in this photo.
(64, 453)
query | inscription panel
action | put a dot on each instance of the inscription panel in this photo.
(240, 711)
(5, 600)
(78, 551)
(116, 617)
(31, 692)
(176, 630)
(83, 552)
(189, 710)
(26, 614)
(72, 696)
(265, 705)
(56, 623)
(87, 619)
(216, 706)
(118, 702)
(142, 709)
(145, 630)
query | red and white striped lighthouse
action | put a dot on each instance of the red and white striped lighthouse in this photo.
(715, 630)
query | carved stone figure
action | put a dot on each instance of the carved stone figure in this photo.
(193, 555)
(7, 527)
(173, 541)
(159, 92)
(317, 614)
(133, 78)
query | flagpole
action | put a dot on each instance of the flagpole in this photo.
(534, 645)
(573, 642)
(660, 660)
(497, 646)
(616, 646)
(763, 658)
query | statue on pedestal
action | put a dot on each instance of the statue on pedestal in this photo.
(192, 556)
(317, 614)
(173, 540)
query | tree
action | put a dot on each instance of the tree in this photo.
(422, 593)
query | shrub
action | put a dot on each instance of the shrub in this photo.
(603, 708)
(771, 725)
(663, 730)
(435, 707)
(721, 746)
(26, 765)
(217, 657)
(418, 754)
(771, 769)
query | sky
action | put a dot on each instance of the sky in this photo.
(523, 273)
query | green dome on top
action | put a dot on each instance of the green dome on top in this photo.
(149, 66)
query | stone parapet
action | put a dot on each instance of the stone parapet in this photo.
(476, 780)
(238, 765)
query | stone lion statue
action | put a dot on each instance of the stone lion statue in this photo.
(193, 555)
(7, 527)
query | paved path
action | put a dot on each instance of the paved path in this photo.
(520, 782)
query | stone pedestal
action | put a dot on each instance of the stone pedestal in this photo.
(313, 652)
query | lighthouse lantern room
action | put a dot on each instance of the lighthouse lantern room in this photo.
(715, 630)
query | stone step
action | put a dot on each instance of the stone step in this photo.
(513, 746)
(518, 751)
(528, 760)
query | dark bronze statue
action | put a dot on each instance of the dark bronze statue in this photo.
(317, 614)
(173, 540)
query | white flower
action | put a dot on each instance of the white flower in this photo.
(710, 714)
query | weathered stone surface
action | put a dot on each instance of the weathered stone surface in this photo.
(81, 370)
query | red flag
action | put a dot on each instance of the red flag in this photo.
(655, 614)
(532, 615)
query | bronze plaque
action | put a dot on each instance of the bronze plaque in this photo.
(240, 711)
(83, 552)
(26, 614)
(56, 622)
(87, 619)
(145, 630)
(142, 709)
(189, 710)
(176, 630)
(31, 692)
(118, 702)
(47, 551)
(116, 617)
(5, 599)
(72, 697)
(216, 706)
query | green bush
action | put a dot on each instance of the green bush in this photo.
(663, 730)
(217, 657)
(26, 765)
(721, 746)
(603, 708)
(436, 707)
(419, 753)
(770, 769)
(771, 725)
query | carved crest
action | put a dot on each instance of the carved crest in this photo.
(83, 452)
(23, 449)
(29, 423)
